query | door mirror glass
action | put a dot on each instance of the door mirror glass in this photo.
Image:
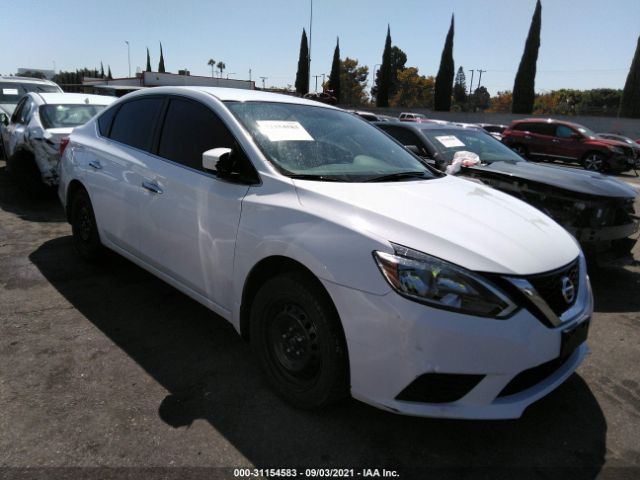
(4, 119)
(413, 149)
(218, 160)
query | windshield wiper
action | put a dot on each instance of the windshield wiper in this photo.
(391, 177)
(321, 178)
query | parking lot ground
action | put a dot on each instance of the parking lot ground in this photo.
(106, 366)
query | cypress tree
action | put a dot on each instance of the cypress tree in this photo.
(109, 76)
(101, 70)
(334, 76)
(630, 104)
(524, 85)
(460, 87)
(444, 79)
(148, 69)
(161, 63)
(302, 77)
(382, 95)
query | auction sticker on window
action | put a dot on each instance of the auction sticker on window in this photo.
(450, 141)
(10, 91)
(281, 131)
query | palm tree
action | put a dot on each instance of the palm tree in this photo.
(221, 67)
(212, 64)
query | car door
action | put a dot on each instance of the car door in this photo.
(190, 216)
(15, 131)
(111, 168)
(567, 143)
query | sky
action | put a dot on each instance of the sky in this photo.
(584, 43)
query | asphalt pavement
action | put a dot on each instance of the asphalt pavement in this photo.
(107, 372)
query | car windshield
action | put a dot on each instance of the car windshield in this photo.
(12, 92)
(67, 116)
(449, 141)
(587, 132)
(317, 143)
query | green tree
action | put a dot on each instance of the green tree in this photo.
(161, 63)
(102, 75)
(302, 75)
(31, 74)
(414, 90)
(524, 84)
(444, 79)
(212, 64)
(109, 76)
(148, 69)
(384, 83)
(460, 88)
(353, 82)
(481, 99)
(221, 66)
(501, 102)
(630, 105)
(334, 76)
(398, 63)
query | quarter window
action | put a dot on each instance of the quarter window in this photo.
(189, 130)
(135, 121)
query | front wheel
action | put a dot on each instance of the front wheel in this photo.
(595, 162)
(84, 228)
(296, 334)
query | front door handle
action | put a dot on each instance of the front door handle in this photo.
(152, 187)
(95, 164)
(555, 141)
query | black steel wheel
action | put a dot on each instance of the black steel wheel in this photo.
(84, 228)
(296, 334)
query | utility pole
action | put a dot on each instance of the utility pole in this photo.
(263, 79)
(249, 75)
(471, 84)
(480, 79)
(310, 25)
(128, 55)
(316, 77)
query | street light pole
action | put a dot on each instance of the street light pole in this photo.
(263, 79)
(128, 55)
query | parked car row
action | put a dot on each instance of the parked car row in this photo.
(597, 210)
(350, 264)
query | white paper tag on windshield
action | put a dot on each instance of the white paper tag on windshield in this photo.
(10, 91)
(281, 131)
(450, 141)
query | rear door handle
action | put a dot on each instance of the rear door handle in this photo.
(555, 141)
(152, 187)
(95, 164)
(527, 137)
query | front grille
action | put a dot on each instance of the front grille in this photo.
(439, 388)
(549, 286)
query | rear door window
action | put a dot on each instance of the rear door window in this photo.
(563, 131)
(135, 122)
(189, 130)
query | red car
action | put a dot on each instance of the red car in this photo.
(548, 139)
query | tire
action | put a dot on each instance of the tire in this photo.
(296, 334)
(594, 161)
(84, 227)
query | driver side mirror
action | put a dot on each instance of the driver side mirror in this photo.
(4, 119)
(218, 160)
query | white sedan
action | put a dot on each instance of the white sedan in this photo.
(350, 265)
(38, 124)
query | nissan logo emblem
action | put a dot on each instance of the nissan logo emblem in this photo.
(568, 290)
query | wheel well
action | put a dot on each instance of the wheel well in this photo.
(73, 187)
(589, 152)
(264, 270)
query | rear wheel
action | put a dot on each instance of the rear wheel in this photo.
(84, 228)
(296, 334)
(594, 161)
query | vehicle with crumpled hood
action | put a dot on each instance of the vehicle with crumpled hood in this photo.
(39, 124)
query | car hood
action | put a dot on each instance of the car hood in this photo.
(453, 219)
(582, 181)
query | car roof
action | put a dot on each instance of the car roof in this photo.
(27, 80)
(74, 98)
(548, 120)
(231, 94)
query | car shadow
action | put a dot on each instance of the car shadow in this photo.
(615, 289)
(211, 375)
(44, 207)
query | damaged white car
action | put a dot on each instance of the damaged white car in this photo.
(32, 140)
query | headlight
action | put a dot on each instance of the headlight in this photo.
(426, 279)
(616, 149)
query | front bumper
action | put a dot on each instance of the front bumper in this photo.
(393, 341)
